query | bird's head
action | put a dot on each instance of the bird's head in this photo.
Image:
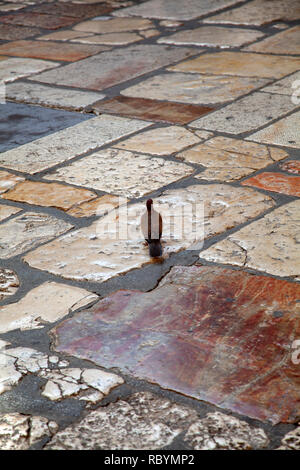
(149, 204)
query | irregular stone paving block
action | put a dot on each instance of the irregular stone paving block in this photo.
(68, 143)
(110, 68)
(192, 88)
(50, 50)
(124, 173)
(63, 35)
(28, 230)
(143, 421)
(44, 304)
(114, 25)
(271, 181)
(19, 431)
(247, 114)
(9, 283)
(292, 166)
(153, 110)
(285, 42)
(213, 36)
(8, 181)
(6, 211)
(283, 132)
(49, 194)
(13, 33)
(174, 9)
(99, 206)
(20, 123)
(161, 141)
(11, 7)
(239, 63)
(113, 245)
(13, 68)
(218, 431)
(248, 245)
(71, 9)
(229, 159)
(224, 323)
(39, 20)
(54, 97)
(287, 86)
(259, 12)
(291, 440)
(110, 39)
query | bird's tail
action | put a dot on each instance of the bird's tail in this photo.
(155, 249)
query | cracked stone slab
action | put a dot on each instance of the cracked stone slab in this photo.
(44, 304)
(49, 195)
(239, 63)
(277, 182)
(285, 42)
(19, 431)
(235, 330)
(107, 69)
(121, 172)
(9, 283)
(68, 143)
(153, 110)
(193, 88)
(228, 159)
(34, 93)
(28, 230)
(174, 9)
(213, 36)
(247, 247)
(6, 211)
(113, 245)
(259, 12)
(247, 114)
(218, 431)
(8, 181)
(283, 132)
(143, 421)
(13, 68)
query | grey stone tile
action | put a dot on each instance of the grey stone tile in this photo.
(283, 132)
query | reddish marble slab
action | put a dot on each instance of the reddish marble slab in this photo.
(74, 10)
(141, 108)
(292, 166)
(10, 32)
(219, 335)
(39, 20)
(276, 182)
(50, 50)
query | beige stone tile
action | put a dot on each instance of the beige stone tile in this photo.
(68, 143)
(213, 36)
(30, 311)
(14, 68)
(161, 141)
(6, 211)
(110, 39)
(230, 159)
(247, 114)
(49, 194)
(113, 245)
(98, 206)
(8, 181)
(193, 88)
(240, 63)
(121, 172)
(9, 283)
(269, 244)
(64, 35)
(28, 230)
(114, 25)
(259, 12)
(283, 132)
(286, 86)
(149, 33)
(285, 42)
(34, 93)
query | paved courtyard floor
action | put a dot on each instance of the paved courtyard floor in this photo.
(104, 104)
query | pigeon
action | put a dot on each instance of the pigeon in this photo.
(151, 225)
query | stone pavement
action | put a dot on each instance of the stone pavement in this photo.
(104, 104)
